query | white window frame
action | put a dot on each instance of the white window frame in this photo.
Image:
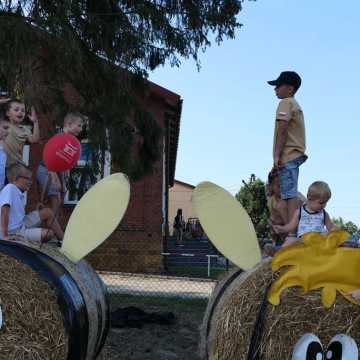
(26, 154)
(26, 160)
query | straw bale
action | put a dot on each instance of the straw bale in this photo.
(230, 318)
(33, 327)
(91, 288)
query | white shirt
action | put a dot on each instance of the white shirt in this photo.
(309, 221)
(11, 195)
(3, 158)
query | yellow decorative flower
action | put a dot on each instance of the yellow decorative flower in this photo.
(318, 263)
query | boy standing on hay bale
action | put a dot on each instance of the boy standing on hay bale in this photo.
(15, 225)
(289, 139)
(310, 217)
(52, 184)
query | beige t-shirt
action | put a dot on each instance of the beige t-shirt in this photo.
(289, 110)
(14, 143)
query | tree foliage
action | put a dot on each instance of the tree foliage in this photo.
(86, 42)
(348, 226)
(252, 197)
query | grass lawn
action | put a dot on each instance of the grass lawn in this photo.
(179, 341)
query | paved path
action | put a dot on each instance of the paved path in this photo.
(158, 285)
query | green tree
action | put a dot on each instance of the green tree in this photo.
(86, 42)
(348, 226)
(252, 197)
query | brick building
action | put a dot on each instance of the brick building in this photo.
(136, 245)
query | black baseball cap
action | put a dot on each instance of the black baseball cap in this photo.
(288, 78)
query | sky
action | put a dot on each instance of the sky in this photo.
(228, 115)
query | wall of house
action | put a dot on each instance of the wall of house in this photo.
(180, 198)
(136, 245)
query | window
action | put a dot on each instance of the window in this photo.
(88, 171)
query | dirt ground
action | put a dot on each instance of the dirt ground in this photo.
(160, 342)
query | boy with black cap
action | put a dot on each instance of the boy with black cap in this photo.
(289, 138)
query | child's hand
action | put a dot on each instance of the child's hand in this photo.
(276, 229)
(279, 229)
(356, 294)
(64, 189)
(10, 237)
(39, 206)
(3, 101)
(276, 163)
(33, 116)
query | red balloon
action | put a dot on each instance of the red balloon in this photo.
(61, 152)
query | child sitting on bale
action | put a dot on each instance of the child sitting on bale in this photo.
(4, 130)
(311, 216)
(15, 225)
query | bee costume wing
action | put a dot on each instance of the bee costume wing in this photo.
(227, 224)
(96, 216)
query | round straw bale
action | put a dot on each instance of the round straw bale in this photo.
(94, 293)
(235, 305)
(33, 325)
(78, 295)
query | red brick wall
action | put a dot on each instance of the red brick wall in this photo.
(135, 246)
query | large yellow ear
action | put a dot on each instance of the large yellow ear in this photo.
(96, 216)
(227, 224)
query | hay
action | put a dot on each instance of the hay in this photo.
(33, 327)
(93, 293)
(91, 288)
(229, 322)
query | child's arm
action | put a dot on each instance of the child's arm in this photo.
(35, 137)
(328, 223)
(55, 181)
(283, 116)
(281, 136)
(5, 209)
(63, 181)
(289, 227)
(355, 294)
(5, 100)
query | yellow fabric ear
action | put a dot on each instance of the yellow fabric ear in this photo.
(96, 216)
(318, 263)
(333, 240)
(227, 224)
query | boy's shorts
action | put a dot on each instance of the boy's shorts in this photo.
(30, 231)
(288, 176)
(42, 174)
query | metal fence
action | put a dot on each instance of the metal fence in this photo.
(190, 271)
